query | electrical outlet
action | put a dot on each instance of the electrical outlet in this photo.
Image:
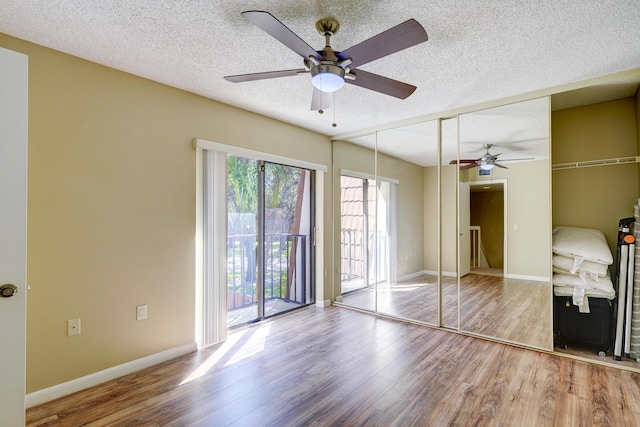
(141, 312)
(73, 327)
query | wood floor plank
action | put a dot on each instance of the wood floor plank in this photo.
(335, 366)
(50, 421)
(266, 415)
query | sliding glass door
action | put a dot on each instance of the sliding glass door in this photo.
(270, 239)
(366, 239)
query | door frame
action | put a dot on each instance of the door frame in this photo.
(14, 79)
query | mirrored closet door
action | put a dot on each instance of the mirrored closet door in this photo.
(505, 223)
(407, 206)
(430, 233)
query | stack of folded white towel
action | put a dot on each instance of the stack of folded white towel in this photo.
(581, 260)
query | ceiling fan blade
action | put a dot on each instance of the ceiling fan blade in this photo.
(402, 36)
(453, 162)
(468, 166)
(261, 76)
(320, 100)
(381, 84)
(500, 166)
(280, 32)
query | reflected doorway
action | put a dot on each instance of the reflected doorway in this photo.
(487, 247)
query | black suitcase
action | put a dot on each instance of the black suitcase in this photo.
(593, 329)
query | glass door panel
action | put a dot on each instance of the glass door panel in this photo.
(287, 238)
(269, 239)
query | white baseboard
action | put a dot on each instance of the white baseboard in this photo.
(412, 275)
(531, 278)
(444, 273)
(64, 389)
(508, 276)
(323, 304)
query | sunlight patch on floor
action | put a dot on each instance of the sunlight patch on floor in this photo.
(238, 346)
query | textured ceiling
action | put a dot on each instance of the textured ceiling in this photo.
(478, 51)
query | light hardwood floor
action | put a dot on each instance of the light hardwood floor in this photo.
(340, 367)
(511, 310)
(508, 309)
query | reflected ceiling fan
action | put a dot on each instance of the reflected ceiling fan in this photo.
(330, 69)
(487, 162)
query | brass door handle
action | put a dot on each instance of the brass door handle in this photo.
(8, 290)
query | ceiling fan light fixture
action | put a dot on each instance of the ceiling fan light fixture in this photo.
(327, 77)
(487, 166)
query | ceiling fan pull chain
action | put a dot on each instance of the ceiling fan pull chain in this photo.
(334, 110)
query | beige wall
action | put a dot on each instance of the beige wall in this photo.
(431, 208)
(111, 219)
(449, 219)
(409, 212)
(595, 197)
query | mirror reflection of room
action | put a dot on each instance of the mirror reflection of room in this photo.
(402, 219)
(504, 214)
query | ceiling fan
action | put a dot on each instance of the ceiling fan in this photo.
(487, 162)
(330, 69)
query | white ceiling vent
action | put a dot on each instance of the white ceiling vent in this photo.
(592, 163)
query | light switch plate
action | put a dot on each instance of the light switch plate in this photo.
(141, 312)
